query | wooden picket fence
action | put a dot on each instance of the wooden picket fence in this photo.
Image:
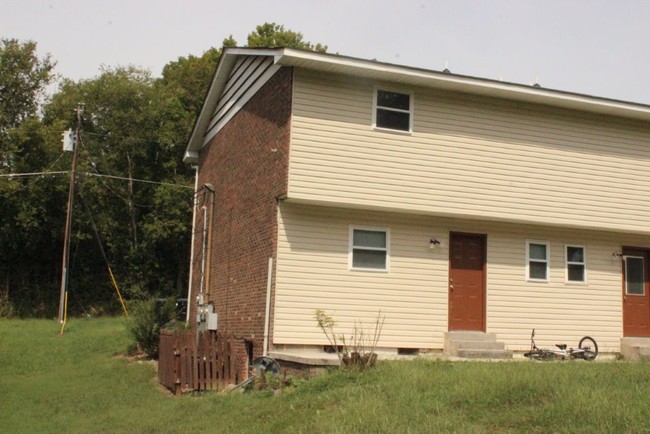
(195, 361)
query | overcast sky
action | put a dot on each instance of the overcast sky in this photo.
(594, 47)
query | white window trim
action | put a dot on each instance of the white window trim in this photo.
(567, 263)
(374, 109)
(351, 247)
(548, 261)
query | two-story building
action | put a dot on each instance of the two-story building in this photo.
(444, 201)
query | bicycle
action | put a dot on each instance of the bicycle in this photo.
(587, 350)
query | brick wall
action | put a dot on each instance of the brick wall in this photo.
(247, 163)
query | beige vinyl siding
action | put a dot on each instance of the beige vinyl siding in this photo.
(312, 273)
(468, 156)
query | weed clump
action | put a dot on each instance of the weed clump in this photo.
(356, 352)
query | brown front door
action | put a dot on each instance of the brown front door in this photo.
(467, 254)
(636, 292)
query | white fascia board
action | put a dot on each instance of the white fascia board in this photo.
(191, 157)
(460, 83)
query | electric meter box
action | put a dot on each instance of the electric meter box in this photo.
(212, 320)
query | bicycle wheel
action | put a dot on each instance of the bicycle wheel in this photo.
(590, 348)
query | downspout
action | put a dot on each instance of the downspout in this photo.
(208, 251)
(267, 314)
(191, 273)
(204, 242)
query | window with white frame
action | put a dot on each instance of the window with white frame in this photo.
(393, 110)
(576, 264)
(369, 249)
(537, 260)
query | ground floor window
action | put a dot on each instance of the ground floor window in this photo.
(369, 249)
(576, 264)
(537, 260)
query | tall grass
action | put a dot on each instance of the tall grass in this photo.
(75, 383)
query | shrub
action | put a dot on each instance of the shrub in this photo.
(145, 321)
(6, 309)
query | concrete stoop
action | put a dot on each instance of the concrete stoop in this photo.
(636, 348)
(475, 345)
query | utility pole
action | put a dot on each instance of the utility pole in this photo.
(68, 219)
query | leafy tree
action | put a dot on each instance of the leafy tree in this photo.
(274, 35)
(134, 127)
(23, 78)
(28, 206)
(31, 221)
(190, 77)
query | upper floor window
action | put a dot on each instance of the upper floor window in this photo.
(576, 264)
(369, 249)
(537, 261)
(393, 110)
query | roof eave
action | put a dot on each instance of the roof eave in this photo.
(466, 84)
(408, 76)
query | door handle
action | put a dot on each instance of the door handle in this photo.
(451, 287)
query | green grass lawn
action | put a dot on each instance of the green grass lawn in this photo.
(78, 383)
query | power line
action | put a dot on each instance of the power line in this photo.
(41, 175)
(25, 175)
(64, 172)
(136, 180)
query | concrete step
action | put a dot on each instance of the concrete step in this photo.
(478, 345)
(475, 345)
(636, 348)
(470, 336)
(484, 354)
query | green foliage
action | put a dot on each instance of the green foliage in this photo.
(6, 309)
(271, 35)
(267, 381)
(23, 78)
(145, 321)
(134, 127)
(189, 77)
(75, 383)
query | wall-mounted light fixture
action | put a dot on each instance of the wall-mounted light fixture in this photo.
(433, 243)
(617, 255)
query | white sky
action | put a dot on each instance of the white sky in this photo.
(595, 47)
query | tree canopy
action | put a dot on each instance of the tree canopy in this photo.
(273, 35)
(134, 194)
(23, 78)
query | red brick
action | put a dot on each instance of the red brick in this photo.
(247, 163)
